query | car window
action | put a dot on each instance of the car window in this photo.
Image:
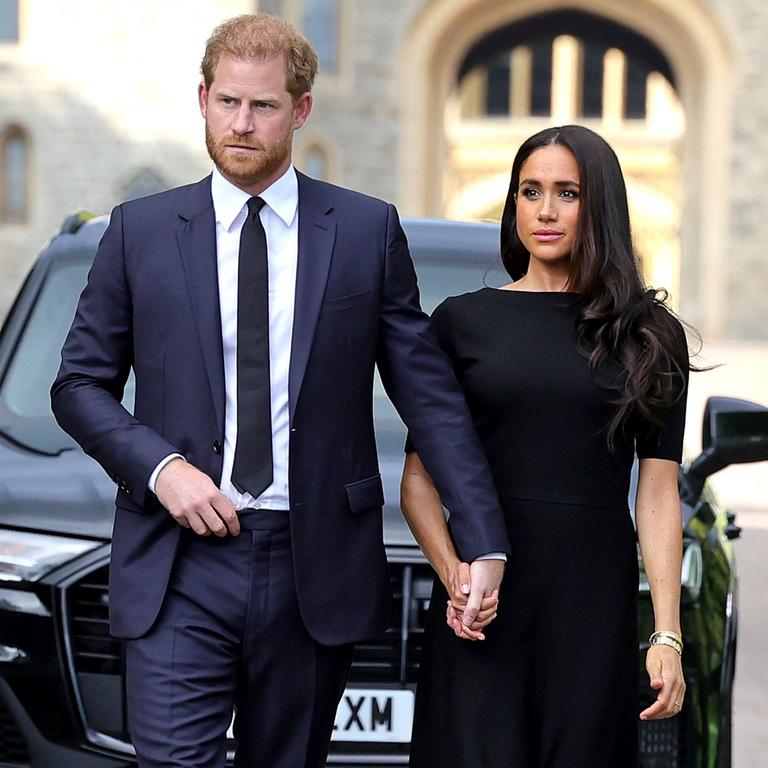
(25, 388)
(436, 282)
(24, 394)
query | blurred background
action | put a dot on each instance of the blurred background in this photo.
(424, 102)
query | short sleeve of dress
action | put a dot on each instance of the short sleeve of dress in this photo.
(441, 326)
(669, 445)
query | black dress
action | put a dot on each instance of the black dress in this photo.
(555, 684)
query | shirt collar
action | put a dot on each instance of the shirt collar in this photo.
(282, 196)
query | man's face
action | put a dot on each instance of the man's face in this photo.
(249, 120)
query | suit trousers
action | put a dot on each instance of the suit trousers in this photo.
(230, 635)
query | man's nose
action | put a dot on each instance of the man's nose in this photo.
(243, 120)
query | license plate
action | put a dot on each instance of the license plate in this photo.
(374, 714)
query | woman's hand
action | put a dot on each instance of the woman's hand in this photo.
(665, 670)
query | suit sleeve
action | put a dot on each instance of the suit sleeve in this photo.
(440, 326)
(419, 379)
(96, 360)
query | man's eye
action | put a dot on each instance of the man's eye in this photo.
(227, 100)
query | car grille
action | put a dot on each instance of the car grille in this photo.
(93, 648)
(97, 657)
(13, 747)
(391, 660)
(394, 658)
(665, 743)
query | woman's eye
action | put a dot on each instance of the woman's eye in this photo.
(530, 194)
(570, 194)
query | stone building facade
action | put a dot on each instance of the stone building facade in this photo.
(422, 102)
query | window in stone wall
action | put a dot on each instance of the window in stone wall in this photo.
(315, 162)
(526, 69)
(498, 80)
(593, 56)
(636, 87)
(14, 169)
(9, 21)
(320, 23)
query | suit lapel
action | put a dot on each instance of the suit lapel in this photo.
(317, 234)
(197, 243)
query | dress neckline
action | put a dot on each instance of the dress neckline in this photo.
(533, 293)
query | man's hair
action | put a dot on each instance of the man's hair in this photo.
(261, 36)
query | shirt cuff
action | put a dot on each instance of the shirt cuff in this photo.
(156, 470)
(492, 556)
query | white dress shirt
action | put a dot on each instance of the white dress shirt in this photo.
(280, 219)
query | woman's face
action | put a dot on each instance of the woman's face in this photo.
(548, 204)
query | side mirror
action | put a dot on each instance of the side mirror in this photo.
(734, 432)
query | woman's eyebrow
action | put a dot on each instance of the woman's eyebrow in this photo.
(563, 183)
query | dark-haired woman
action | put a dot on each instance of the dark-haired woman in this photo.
(570, 370)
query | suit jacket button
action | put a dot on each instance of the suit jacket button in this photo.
(217, 447)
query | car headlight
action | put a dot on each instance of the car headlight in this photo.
(691, 571)
(30, 556)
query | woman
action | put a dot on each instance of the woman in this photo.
(569, 371)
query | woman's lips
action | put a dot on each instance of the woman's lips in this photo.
(547, 235)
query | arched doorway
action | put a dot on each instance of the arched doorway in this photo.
(685, 37)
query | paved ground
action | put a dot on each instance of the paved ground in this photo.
(751, 692)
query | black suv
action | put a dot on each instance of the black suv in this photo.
(62, 699)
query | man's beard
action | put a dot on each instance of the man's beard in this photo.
(252, 167)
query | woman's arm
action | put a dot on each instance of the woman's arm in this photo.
(424, 514)
(657, 511)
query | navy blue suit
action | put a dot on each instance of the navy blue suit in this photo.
(152, 303)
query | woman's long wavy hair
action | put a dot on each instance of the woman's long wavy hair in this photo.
(621, 322)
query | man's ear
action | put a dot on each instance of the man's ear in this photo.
(202, 98)
(301, 110)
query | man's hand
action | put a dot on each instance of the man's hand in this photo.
(468, 616)
(194, 501)
(485, 578)
(457, 581)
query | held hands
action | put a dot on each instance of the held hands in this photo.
(194, 501)
(474, 597)
(665, 671)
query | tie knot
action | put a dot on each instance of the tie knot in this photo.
(255, 204)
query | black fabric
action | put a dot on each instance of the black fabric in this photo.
(555, 683)
(252, 467)
(539, 412)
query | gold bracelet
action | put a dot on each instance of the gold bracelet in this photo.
(664, 637)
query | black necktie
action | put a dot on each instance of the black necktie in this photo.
(252, 468)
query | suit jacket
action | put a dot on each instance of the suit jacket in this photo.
(152, 303)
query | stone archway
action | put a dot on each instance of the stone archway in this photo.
(698, 53)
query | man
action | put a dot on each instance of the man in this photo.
(252, 307)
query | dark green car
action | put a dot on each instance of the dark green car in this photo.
(61, 674)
